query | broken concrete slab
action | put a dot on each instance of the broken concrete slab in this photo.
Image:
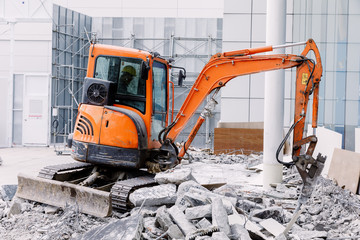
(163, 218)
(183, 188)
(7, 192)
(219, 236)
(220, 216)
(174, 232)
(179, 218)
(192, 213)
(154, 196)
(15, 206)
(271, 212)
(272, 226)
(239, 232)
(252, 228)
(345, 169)
(175, 176)
(210, 195)
(202, 211)
(328, 140)
(203, 223)
(305, 235)
(129, 228)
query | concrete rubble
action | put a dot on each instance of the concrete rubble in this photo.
(180, 207)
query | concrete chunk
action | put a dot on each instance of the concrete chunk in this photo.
(154, 196)
(219, 236)
(203, 211)
(272, 212)
(174, 232)
(239, 232)
(15, 206)
(196, 196)
(163, 218)
(198, 212)
(220, 216)
(203, 223)
(175, 176)
(304, 235)
(7, 192)
(129, 228)
(182, 190)
(272, 226)
(179, 218)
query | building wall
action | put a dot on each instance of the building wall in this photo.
(333, 26)
(242, 100)
(145, 8)
(25, 50)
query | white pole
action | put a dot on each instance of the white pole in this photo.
(11, 22)
(274, 94)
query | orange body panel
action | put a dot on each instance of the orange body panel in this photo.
(118, 130)
(87, 123)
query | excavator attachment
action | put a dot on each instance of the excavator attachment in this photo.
(61, 194)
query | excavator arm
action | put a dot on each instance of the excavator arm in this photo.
(224, 67)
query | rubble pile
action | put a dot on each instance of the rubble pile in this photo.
(182, 208)
(25, 220)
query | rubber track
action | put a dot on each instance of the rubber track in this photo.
(121, 190)
(49, 172)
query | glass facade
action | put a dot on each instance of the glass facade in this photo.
(333, 26)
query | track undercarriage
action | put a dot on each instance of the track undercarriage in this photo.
(96, 190)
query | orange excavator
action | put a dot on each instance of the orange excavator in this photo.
(123, 124)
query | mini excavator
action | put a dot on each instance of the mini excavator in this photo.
(125, 124)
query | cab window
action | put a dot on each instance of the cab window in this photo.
(159, 98)
(125, 73)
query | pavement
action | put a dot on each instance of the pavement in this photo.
(29, 160)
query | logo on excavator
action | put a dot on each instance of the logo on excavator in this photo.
(304, 79)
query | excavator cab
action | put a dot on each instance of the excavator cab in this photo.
(124, 107)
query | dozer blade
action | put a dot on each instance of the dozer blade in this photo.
(60, 194)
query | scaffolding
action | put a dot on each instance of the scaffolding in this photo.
(69, 61)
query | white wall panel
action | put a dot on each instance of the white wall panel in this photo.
(32, 64)
(33, 31)
(242, 29)
(4, 63)
(5, 48)
(158, 4)
(232, 46)
(258, 27)
(257, 85)
(237, 87)
(145, 8)
(236, 6)
(234, 110)
(354, 7)
(16, 9)
(32, 48)
(3, 111)
(256, 110)
(259, 6)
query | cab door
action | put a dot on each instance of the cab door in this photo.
(159, 104)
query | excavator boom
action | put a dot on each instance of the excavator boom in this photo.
(222, 68)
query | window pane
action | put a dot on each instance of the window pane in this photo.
(107, 68)
(159, 98)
